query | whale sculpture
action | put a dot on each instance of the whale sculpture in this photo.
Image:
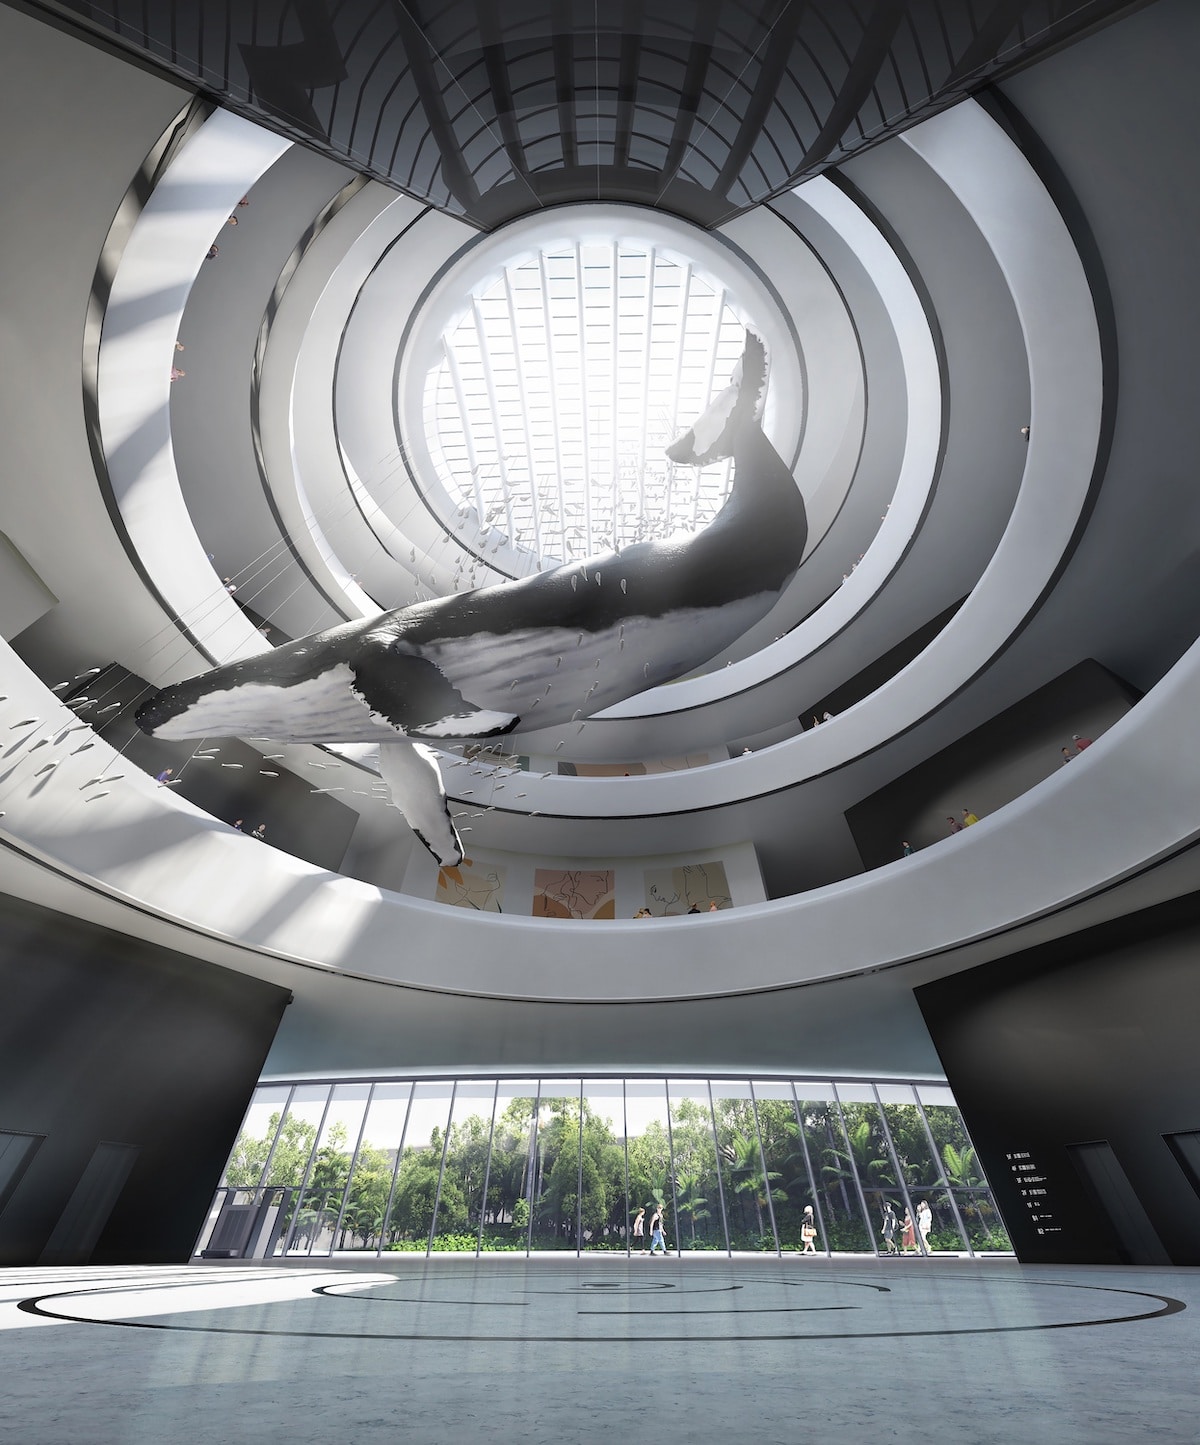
(554, 647)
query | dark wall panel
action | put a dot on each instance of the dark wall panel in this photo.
(872, 677)
(992, 765)
(111, 1041)
(1090, 1041)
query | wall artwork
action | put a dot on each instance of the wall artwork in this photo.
(472, 885)
(574, 893)
(670, 891)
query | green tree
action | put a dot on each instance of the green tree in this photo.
(695, 1181)
(293, 1149)
(689, 1201)
(601, 1148)
(960, 1167)
(865, 1157)
(512, 1160)
(649, 1166)
(417, 1193)
(466, 1162)
(563, 1195)
(367, 1201)
(748, 1178)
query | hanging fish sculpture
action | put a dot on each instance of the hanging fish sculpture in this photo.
(535, 653)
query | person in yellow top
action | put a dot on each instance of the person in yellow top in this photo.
(969, 817)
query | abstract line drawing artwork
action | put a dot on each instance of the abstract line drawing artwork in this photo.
(671, 891)
(472, 885)
(574, 893)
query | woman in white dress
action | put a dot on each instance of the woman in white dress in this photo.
(924, 1223)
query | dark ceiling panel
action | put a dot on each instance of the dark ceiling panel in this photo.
(489, 109)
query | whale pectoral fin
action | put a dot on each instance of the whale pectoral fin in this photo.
(415, 697)
(415, 783)
(471, 722)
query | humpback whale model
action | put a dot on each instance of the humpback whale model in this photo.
(537, 653)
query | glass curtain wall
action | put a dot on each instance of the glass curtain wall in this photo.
(961, 1172)
(839, 1209)
(648, 1146)
(319, 1207)
(785, 1159)
(555, 1194)
(605, 1190)
(564, 1164)
(464, 1171)
(699, 1200)
(750, 1188)
(414, 1202)
(365, 1215)
(511, 1166)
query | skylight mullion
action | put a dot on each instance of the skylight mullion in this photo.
(581, 318)
(465, 416)
(614, 309)
(489, 382)
(647, 333)
(685, 294)
(525, 372)
(552, 392)
(718, 310)
(519, 358)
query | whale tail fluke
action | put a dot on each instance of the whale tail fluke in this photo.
(713, 435)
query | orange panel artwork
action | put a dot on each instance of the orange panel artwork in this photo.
(573, 893)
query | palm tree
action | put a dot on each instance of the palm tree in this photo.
(689, 1201)
(742, 1155)
(964, 1180)
(960, 1167)
(873, 1174)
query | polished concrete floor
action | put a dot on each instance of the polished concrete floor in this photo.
(601, 1349)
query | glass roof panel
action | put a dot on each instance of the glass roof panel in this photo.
(558, 389)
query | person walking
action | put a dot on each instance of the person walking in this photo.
(639, 1230)
(908, 1237)
(924, 1224)
(657, 1241)
(888, 1228)
(808, 1231)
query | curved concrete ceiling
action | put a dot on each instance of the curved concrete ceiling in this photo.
(919, 421)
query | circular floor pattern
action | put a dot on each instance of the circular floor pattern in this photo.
(538, 1306)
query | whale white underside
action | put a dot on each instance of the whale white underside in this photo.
(533, 677)
(323, 708)
(552, 675)
(559, 675)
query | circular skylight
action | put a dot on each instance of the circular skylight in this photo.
(543, 374)
(561, 384)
